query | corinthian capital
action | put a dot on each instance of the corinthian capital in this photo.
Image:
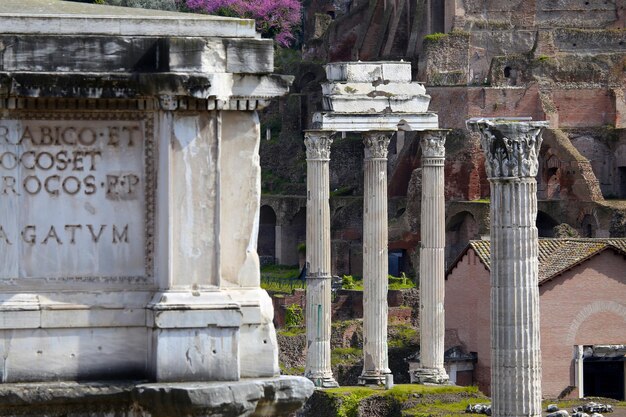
(511, 147)
(376, 144)
(317, 144)
(432, 143)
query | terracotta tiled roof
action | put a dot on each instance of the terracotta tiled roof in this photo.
(557, 255)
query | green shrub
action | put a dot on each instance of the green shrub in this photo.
(294, 316)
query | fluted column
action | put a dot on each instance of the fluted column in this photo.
(375, 262)
(432, 261)
(318, 291)
(511, 149)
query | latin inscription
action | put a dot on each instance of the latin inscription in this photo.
(72, 198)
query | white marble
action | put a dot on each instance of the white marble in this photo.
(365, 122)
(165, 284)
(375, 263)
(318, 294)
(511, 151)
(369, 71)
(55, 17)
(432, 261)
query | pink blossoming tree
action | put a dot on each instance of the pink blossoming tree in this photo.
(274, 18)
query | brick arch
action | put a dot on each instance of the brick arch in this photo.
(588, 311)
(588, 222)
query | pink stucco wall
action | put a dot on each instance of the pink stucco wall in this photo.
(584, 306)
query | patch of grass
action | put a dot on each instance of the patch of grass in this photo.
(296, 370)
(350, 397)
(280, 271)
(281, 278)
(345, 356)
(482, 200)
(292, 331)
(395, 283)
(439, 408)
(402, 335)
(435, 37)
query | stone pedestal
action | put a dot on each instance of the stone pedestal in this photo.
(318, 294)
(511, 148)
(375, 262)
(432, 261)
(131, 196)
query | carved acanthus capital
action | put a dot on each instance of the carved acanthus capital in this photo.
(511, 148)
(376, 144)
(318, 144)
(432, 143)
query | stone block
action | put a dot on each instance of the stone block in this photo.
(368, 72)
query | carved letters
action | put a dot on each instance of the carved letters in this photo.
(76, 193)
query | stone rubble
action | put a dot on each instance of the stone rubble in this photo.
(478, 409)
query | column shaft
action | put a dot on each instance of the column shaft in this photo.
(511, 150)
(432, 262)
(318, 292)
(516, 368)
(375, 262)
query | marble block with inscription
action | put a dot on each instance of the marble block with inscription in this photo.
(129, 189)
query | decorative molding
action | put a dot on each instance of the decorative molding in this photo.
(511, 148)
(168, 103)
(150, 200)
(376, 144)
(318, 145)
(433, 144)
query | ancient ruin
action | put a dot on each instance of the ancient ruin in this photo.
(511, 148)
(432, 261)
(129, 149)
(375, 99)
(318, 260)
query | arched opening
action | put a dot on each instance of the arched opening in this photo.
(588, 226)
(266, 244)
(460, 229)
(293, 237)
(545, 224)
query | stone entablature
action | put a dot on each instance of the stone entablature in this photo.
(130, 187)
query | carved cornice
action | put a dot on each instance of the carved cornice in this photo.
(318, 145)
(511, 148)
(376, 144)
(432, 144)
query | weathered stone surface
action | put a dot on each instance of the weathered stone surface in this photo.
(70, 18)
(108, 269)
(432, 261)
(511, 150)
(318, 292)
(275, 397)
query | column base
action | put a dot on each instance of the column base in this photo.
(323, 381)
(376, 379)
(429, 376)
